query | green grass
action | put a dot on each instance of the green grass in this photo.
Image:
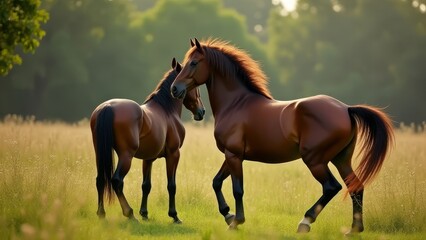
(47, 191)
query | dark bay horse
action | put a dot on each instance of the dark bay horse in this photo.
(149, 131)
(251, 125)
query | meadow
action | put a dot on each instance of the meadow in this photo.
(47, 191)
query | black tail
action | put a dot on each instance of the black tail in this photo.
(104, 154)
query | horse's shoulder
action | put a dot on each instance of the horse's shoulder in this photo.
(146, 121)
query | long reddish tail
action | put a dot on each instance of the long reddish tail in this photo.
(376, 132)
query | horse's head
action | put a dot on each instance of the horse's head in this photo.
(192, 100)
(195, 71)
(193, 103)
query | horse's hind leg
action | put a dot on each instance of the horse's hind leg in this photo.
(343, 164)
(330, 187)
(100, 184)
(357, 222)
(172, 160)
(123, 166)
(146, 187)
(217, 186)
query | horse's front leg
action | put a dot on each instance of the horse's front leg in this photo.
(235, 165)
(217, 186)
(172, 160)
(146, 187)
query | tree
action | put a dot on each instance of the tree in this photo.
(20, 26)
(95, 50)
(256, 15)
(358, 51)
(62, 74)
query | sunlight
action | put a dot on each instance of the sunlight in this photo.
(289, 5)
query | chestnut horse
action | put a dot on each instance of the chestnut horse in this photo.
(251, 125)
(149, 131)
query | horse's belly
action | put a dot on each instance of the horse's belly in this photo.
(149, 155)
(150, 149)
(269, 152)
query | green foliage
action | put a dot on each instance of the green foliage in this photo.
(256, 15)
(358, 51)
(20, 22)
(96, 50)
(82, 54)
(165, 30)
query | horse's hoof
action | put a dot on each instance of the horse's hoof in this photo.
(351, 233)
(233, 226)
(357, 227)
(101, 214)
(303, 228)
(229, 218)
(133, 219)
(355, 230)
(144, 215)
(177, 221)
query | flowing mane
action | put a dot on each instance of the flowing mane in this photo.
(161, 94)
(233, 62)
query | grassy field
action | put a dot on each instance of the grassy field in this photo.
(47, 191)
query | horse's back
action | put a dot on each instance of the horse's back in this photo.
(125, 110)
(321, 113)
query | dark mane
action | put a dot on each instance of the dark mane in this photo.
(233, 62)
(161, 94)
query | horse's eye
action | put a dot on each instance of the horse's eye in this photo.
(193, 63)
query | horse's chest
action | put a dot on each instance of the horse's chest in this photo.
(229, 137)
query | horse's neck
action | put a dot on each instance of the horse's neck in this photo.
(225, 93)
(179, 110)
(175, 110)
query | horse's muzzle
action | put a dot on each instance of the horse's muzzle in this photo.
(199, 115)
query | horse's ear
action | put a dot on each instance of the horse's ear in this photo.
(199, 48)
(192, 43)
(178, 67)
(174, 63)
(197, 44)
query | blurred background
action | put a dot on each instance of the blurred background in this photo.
(359, 51)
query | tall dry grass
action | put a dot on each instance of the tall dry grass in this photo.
(47, 191)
